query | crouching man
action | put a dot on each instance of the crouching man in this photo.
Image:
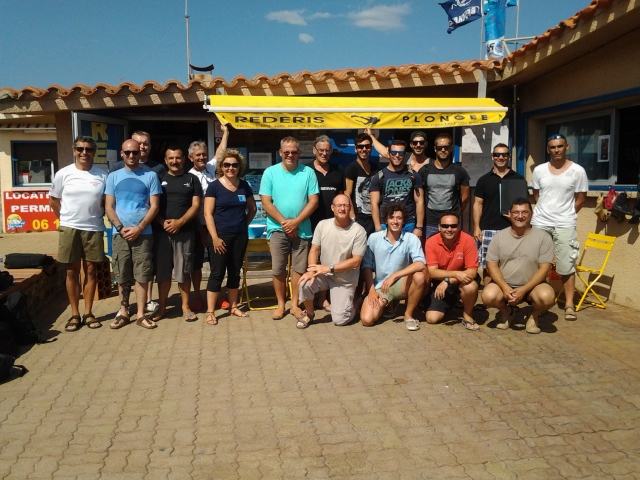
(519, 260)
(340, 245)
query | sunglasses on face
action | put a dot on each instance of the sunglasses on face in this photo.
(82, 149)
(131, 152)
(418, 142)
(448, 225)
(290, 153)
(442, 147)
(230, 165)
(365, 146)
(396, 152)
(498, 155)
(323, 150)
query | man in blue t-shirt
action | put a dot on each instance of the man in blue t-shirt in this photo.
(289, 193)
(131, 203)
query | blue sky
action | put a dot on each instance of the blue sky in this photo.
(45, 42)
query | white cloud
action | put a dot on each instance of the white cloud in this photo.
(306, 38)
(382, 17)
(294, 17)
(313, 16)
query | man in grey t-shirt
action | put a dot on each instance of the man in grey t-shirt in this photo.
(519, 260)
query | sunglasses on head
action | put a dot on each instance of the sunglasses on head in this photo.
(230, 165)
(82, 149)
(442, 147)
(556, 136)
(131, 152)
(449, 225)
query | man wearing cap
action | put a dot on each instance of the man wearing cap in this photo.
(560, 189)
(418, 143)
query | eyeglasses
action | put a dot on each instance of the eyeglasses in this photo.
(290, 153)
(500, 154)
(521, 214)
(341, 205)
(442, 147)
(323, 150)
(418, 142)
(396, 152)
(448, 225)
(135, 153)
(82, 149)
(361, 146)
(555, 136)
(230, 165)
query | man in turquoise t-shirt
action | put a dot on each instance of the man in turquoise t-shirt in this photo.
(289, 193)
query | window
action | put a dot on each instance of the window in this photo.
(33, 162)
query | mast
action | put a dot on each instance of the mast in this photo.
(186, 19)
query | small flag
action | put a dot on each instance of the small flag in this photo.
(461, 12)
(494, 26)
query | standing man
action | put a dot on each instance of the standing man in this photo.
(487, 216)
(77, 199)
(446, 185)
(339, 244)
(331, 179)
(398, 261)
(131, 204)
(179, 206)
(519, 261)
(144, 140)
(205, 172)
(289, 193)
(452, 260)
(397, 183)
(418, 142)
(358, 179)
(560, 190)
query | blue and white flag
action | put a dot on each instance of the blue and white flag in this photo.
(495, 13)
(461, 12)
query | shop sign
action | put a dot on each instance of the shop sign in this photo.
(28, 210)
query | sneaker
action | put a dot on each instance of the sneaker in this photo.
(151, 307)
(412, 324)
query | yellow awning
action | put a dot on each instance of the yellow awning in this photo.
(353, 112)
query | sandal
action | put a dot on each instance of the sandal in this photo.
(211, 318)
(304, 320)
(188, 317)
(146, 322)
(236, 312)
(571, 317)
(90, 321)
(72, 326)
(470, 325)
(120, 322)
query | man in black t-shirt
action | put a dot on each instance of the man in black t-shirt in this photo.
(358, 179)
(174, 241)
(330, 177)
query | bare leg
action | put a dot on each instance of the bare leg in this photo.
(196, 280)
(141, 296)
(369, 314)
(295, 302)
(492, 296)
(73, 287)
(184, 289)
(469, 296)
(163, 295)
(89, 286)
(542, 298)
(212, 299)
(280, 286)
(569, 286)
(416, 290)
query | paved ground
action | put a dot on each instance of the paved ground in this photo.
(254, 398)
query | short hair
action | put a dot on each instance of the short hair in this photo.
(141, 133)
(393, 207)
(443, 135)
(449, 214)
(230, 153)
(363, 136)
(556, 136)
(322, 139)
(398, 142)
(174, 148)
(196, 144)
(289, 140)
(521, 201)
(500, 145)
(86, 139)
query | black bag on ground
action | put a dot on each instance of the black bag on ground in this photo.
(7, 364)
(14, 311)
(28, 260)
(8, 344)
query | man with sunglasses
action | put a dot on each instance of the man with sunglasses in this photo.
(144, 140)
(397, 183)
(289, 193)
(446, 185)
(418, 143)
(452, 262)
(487, 215)
(131, 203)
(560, 189)
(77, 199)
(519, 260)
(358, 180)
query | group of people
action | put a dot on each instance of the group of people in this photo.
(368, 235)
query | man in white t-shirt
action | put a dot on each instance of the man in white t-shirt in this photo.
(77, 199)
(560, 189)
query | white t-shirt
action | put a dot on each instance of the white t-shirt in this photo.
(80, 193)
(556, 205)
(205, 176)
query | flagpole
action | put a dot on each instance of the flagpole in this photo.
(517, 21)
(481, 26)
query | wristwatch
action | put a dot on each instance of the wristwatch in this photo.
(119, 228)
(332, 266)
(446, 279)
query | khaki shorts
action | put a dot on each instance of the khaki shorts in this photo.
(566, 247)
(282, 246)
(75, 245)
(395, 291)
(133, 260)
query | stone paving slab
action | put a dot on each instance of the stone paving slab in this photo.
(254, 398)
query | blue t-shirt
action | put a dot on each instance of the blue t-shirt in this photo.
(230, 212)
(385, 258)
(289, 192)
(132, 189)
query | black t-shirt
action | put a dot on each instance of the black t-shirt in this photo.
(398, 187)
(361, 181)
(177, 196)
(488, 189)
(330, 184)
(159, 168)
(230, 212)
(442, 189)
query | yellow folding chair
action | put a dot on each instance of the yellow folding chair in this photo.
(259, 245)
(600, 242)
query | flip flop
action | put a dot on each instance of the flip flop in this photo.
(146, 322)
(72, 326)
(189, 317)
(90, 321)
(119, 322)
(469, 325)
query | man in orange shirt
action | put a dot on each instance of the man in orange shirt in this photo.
(452, 261)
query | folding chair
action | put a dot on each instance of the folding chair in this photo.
(600, 242)
(259, 245)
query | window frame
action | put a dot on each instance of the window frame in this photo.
(15, 160)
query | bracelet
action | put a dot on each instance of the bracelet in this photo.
(419, 228)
